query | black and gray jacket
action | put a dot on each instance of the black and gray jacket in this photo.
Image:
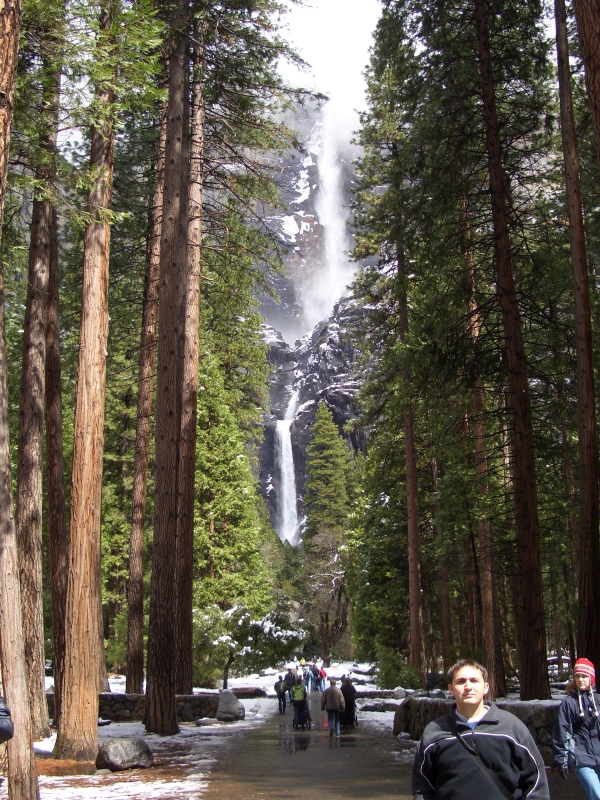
(444, 770)
(576, 734)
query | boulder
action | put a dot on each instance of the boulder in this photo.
(230, 709)
(120, 754)
(399, 693)
(373, 707)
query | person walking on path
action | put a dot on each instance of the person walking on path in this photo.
(280, 691)
(298, 699)
(316, 677)
(289, 681)
(323, 676)
(333, 701)
(576, 734)
(477, 750)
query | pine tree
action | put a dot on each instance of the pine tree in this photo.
(326, 497)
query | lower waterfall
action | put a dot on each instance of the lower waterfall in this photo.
(287, 511)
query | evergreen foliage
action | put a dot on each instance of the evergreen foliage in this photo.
(326, 497)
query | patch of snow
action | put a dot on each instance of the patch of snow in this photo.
(289, 228)
(302, 187)
(191, 753)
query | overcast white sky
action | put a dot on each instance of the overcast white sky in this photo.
(334, 37)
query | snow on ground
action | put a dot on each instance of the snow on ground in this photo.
(182, 762)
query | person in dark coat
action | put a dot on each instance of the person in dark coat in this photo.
(576, 734)
(280, 691)
(477, 750)
(348, 716)
(289, 681)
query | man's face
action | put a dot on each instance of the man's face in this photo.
(468, 688)
(583, 681)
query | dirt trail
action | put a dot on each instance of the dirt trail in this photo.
(276, 761)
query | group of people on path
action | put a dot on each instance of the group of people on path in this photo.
(336, 702)
(312, 677)
(481, 751)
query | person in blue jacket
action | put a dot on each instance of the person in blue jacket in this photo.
(576, 734)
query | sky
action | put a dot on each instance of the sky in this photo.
(334, 37)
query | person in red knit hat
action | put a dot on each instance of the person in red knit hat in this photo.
(576, 735)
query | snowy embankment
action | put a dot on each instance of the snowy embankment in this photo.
(182, 762)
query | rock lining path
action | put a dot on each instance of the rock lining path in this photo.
(276, 761)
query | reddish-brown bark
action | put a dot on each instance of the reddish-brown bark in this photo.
(57, 524)
(533, 666)
(189, 395)
(589, 544)
(22, 776)
(587, 14)
(135, 585)
(160, 714)
(28, 521)
(78, 725)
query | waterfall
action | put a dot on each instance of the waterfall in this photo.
(337, 271)
(287, 511)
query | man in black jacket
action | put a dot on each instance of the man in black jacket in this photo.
(477, 751)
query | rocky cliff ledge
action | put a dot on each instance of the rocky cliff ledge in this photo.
(322, 366)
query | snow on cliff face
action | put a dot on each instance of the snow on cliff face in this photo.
(312, 226)
(322, 367)
(315, 309)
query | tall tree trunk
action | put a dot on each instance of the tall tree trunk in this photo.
(587, 14)
(513, 581)
(31, 418)
(28, 521)
(135, 586)
(417, 650)
(491, 653)
(160, 715)
(444, 594)
(589, 543)
(534, 672)
(57, 525)
(78, 725)
(189, 394)
(22, 777)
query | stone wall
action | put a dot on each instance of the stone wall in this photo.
(130, 707)
(416, 713)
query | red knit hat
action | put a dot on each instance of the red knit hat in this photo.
(584, 666)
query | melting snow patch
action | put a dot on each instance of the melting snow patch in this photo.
(182, 762)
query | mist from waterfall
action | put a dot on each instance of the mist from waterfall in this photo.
(287, 510)
(337, 271)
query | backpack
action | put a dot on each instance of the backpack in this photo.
(279, 687)
(323, 674)
(7, 729)
(298, 692)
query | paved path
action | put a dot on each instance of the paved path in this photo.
(276, 761)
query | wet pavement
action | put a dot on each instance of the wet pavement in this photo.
(276, 761)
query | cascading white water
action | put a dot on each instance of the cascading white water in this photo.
(287, 512)
(330, 283)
